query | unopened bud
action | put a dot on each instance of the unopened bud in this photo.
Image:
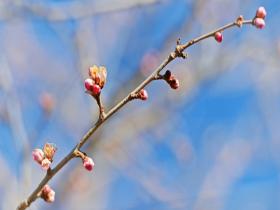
(89, 83)
(48, 194)
(88, 163)
(259, 23)
(143, 94)
(261, 12)
(38, 155)
(219, 37)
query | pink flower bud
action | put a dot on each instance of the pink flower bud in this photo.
(38, 155)
(51, 196)
(219, 37)
(45, 164)
(96, 89)
(143, 94)
(88, 163)
(48, 194)
(89, 84)
(174, 84)
(259, 23)
(261, 12)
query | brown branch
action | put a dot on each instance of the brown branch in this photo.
(178, 52)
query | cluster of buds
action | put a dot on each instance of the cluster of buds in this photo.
(259, 18)
(44, 157)
(48, 194)
(96, 80)
(171, 80)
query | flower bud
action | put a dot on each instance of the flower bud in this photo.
(48, 194)
(89, 84)
(259, 23)
(219, 37)
(174, 84)
(261, 12)
(38, 155)
(88, 163)
(143, 94)
(45, 164)
(96, 89)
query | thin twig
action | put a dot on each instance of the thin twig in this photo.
(178, 52)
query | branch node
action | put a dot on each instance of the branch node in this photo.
(158, 76)
(239, 21)
(78, 154)
(179, 50)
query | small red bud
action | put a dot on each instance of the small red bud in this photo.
(96, 89)
(219, 37)
(89, 84)
(261, 12)
(259, 23)
(174, 84)
(143, 94)
(88, 163)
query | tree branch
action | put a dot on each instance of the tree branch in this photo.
(178, 52)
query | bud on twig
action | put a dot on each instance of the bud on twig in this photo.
(219, 37)
(44, 157)
(171, 80)
(48, 194)
(143, 95)
(88, 163)
(259, 18)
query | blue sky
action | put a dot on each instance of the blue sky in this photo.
(225, 112)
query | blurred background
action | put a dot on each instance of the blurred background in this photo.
(212, 144)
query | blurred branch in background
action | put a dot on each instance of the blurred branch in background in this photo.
(67, 10)
(15, 121)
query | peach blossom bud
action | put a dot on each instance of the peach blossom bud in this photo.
(219, 37)
(51, 196)
(174, 84)
(38, 155)
(259, 23)
(143, 94)
(261, 12)
(48, 194)
(88, 163)
(96, 89)
(45, 164)
(89, 84)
